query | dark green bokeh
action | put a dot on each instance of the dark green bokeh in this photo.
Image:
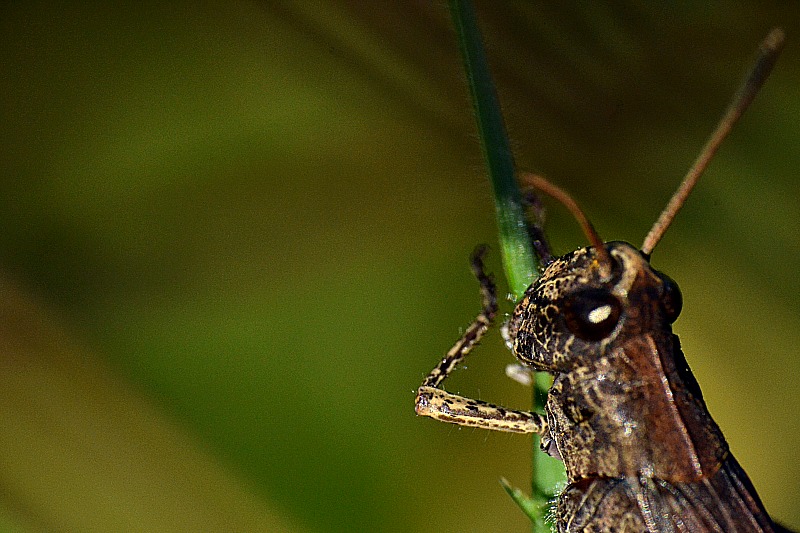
(259, 216)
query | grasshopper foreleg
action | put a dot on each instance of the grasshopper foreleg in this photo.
(441, 405)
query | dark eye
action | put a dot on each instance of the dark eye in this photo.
(671, 298)
(592, 314)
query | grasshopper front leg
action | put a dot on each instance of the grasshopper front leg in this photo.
(441, 405)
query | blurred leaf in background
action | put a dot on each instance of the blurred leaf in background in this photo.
(235, 238)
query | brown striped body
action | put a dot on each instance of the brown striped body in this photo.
(625, 413)
(725, 502)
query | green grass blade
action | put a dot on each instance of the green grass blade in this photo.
(519, 260)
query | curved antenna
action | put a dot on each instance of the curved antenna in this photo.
(768, 52)
(561, 196)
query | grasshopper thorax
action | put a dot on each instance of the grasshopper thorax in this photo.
(623, 402)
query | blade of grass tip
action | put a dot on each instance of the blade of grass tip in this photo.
(519, 259)
(531, 507)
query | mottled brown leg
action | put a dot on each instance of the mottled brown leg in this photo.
(441, 405)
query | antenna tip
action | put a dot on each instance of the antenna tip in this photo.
(774, 41)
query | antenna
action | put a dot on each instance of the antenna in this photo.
(561, 195)
(768, 53)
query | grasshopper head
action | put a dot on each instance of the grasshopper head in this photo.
(579, 306)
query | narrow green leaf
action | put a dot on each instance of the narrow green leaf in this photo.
(535, 508)
(519, 260)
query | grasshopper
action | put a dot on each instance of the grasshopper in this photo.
(625, 413)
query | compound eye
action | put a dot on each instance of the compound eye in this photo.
(592, 314)
(671, 298)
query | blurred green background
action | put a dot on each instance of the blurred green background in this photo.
(234, 239)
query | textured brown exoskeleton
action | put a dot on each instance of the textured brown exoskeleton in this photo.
(624, 413)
